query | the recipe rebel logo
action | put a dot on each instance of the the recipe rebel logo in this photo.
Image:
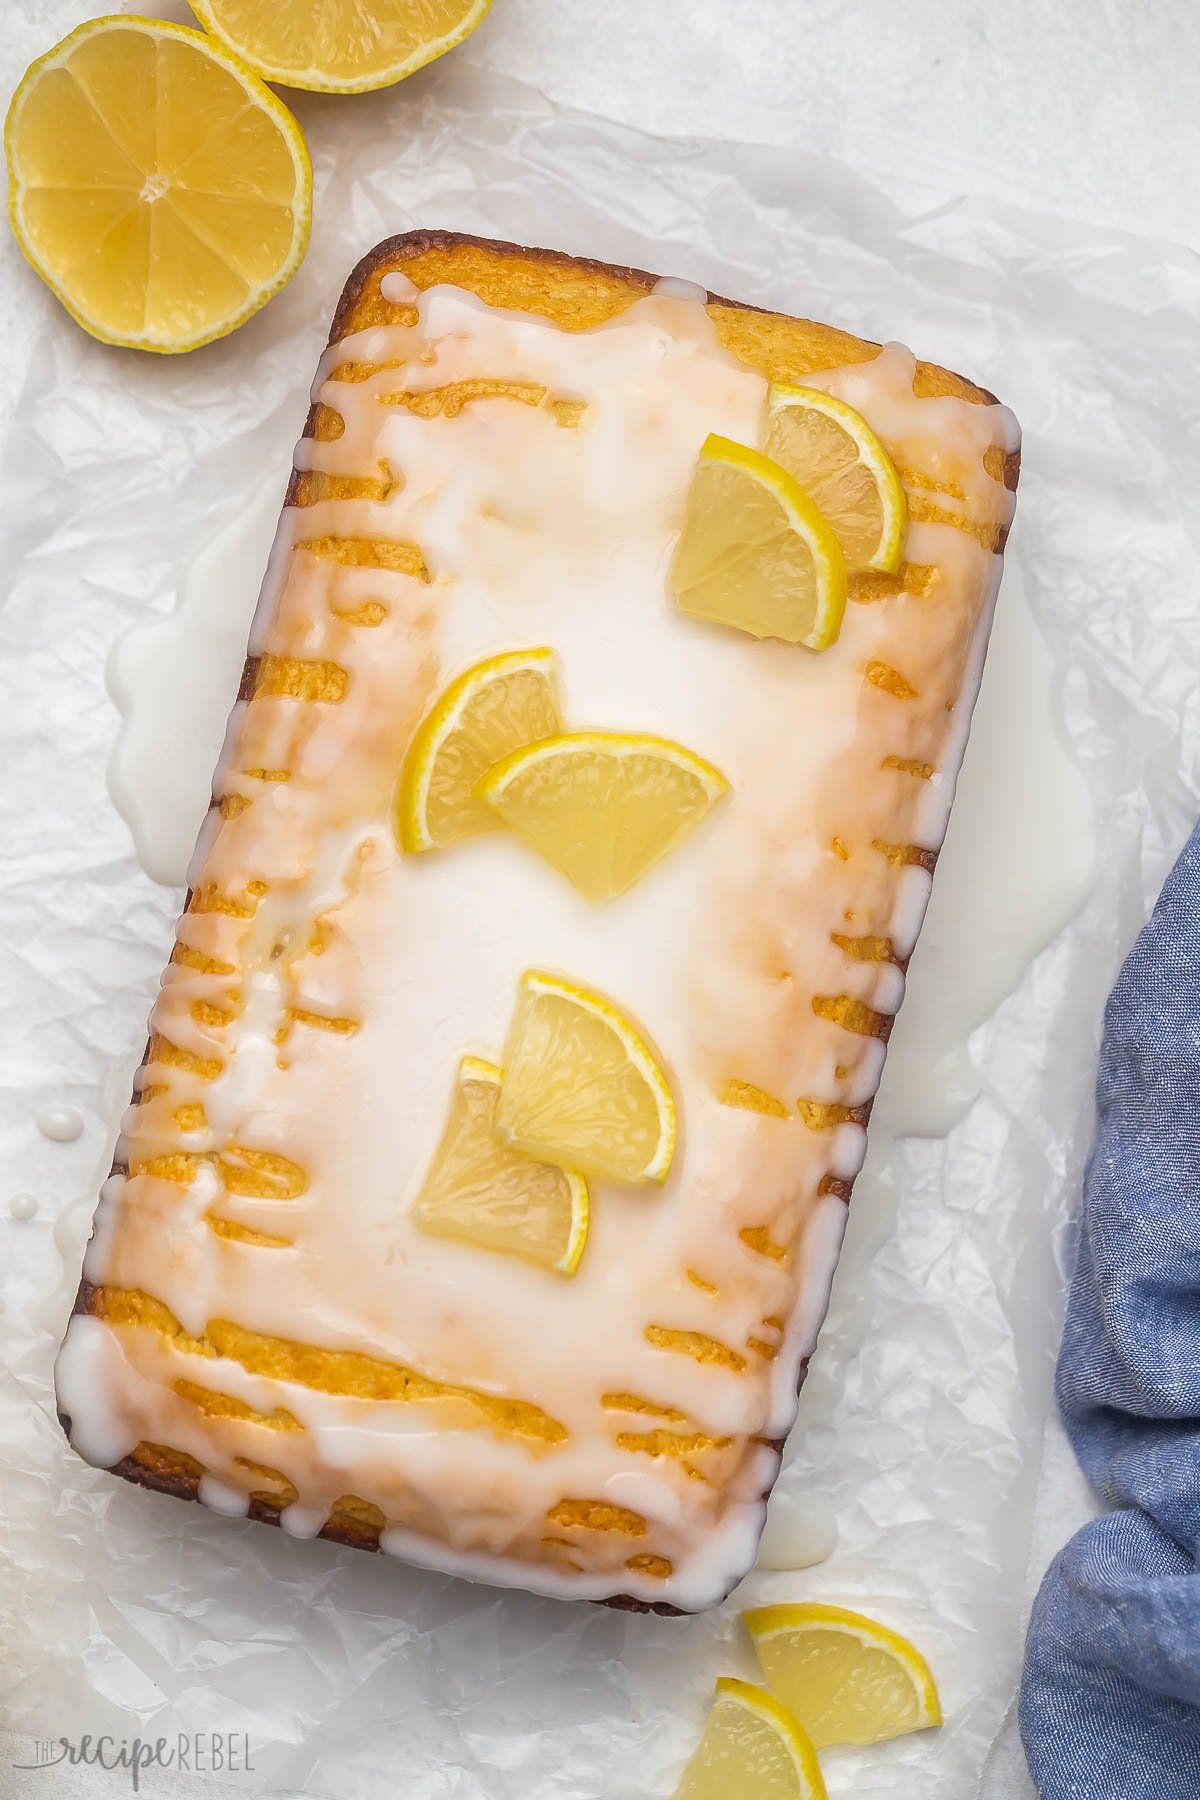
(188, 1753)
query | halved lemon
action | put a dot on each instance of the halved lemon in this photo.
(843, 467)
(156, 185)
(495, 707)
(603, 806)
(848, 1679)
(484, 1193)
(752, 1749)
(582, 1087)
(756, 553)
(340, 46)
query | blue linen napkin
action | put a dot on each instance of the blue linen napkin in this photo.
(1110, 1700)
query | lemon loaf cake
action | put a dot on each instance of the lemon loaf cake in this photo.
(487, 1169)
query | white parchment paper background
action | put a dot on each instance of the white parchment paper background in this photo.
(923, 1417)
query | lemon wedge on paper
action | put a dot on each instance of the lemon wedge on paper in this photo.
(340, 46)
(582, 1087)
(844, 469)
(483, 1193)
(603, 805)
(848, 1679)
(756, 553)
(493, 708)
(752, 1749)
(155, 184)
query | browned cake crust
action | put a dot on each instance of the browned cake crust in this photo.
(574, 293)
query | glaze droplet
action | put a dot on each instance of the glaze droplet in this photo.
(799, 1532)
(23, 1206)
(62, 1123)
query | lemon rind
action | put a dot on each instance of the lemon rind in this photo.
(475, 1068)
(805, 518)
(267, 101)
(313, 81)
(537, 981)
(764, 1705)
(765, 1622)
(605, 743)
(437, 726)
(890, 551)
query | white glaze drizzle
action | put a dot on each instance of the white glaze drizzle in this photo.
(800, 1532)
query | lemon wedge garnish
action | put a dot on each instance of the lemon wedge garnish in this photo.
(484, 1193)
(582, 1087)
(495, 707)
(340, 46)
(603, 806)
(752, 1749)
(844, 469)
(848, 1679)
(756, 553)
(155, 184)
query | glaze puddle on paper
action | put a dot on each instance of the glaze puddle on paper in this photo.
(1016, 865)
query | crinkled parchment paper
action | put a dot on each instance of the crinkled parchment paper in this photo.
(923, 1417)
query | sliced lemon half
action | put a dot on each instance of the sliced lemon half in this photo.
(582, 1087)
(484, 1193)
(848, 1679)
(844, 469)
(340, 46)
(756, 553)
(154, 183)
(752, 1749)
(494, 708)
(603, 806)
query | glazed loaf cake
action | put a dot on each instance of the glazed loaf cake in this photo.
(497, 456)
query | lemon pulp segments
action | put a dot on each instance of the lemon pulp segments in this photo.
(582, 1087)
(155, 184)
(848, 1679)
(340, 46)
(495, 707)
(755, 553)
(484, 1193)
(752, 1749)
(844, 469)
(603, 806)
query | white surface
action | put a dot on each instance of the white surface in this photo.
(1073, 120)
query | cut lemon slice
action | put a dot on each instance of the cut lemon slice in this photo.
(155, 184)
(582, 1087)
(756, 553)
(340, 46)
(603, 805)
(481, 1192)
(848, 1679)
(752, 1749)
(844, 469)
(494, 708)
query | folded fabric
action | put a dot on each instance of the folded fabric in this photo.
(1110, 1700)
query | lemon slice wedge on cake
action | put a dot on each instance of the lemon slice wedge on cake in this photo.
(495, 707)
(844, 469)
(340, 46)
(756, 553)
(752, 1749)
(603, 806)
(582, 1087)
(848, 1679)
(481, 1192)
(159, 188)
